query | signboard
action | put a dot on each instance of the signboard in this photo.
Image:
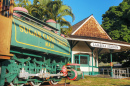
(29, 36)
(100, 45)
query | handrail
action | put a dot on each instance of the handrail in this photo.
(117, 72)
(34, 19)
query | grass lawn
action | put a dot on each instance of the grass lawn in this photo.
(96, 81)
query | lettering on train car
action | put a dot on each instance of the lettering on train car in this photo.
(30, 31)
(49, 44)
(41, 35)
(49, 38)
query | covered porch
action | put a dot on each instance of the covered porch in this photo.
(86, 51)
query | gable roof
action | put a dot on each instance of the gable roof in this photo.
(89, 27)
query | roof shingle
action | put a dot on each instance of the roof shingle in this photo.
(89, 27)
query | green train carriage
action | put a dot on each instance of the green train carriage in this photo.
(36, 54)
(31, 51)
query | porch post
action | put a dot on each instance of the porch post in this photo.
(92, 62)
(79, 59)
(111, 63)
(71, 50)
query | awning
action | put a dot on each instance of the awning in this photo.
(124, 46)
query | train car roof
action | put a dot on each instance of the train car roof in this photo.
(35, 19)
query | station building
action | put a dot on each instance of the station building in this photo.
(88, 40)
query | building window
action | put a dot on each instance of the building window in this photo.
(77, 59)
(81, 59)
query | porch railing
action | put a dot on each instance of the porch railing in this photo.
(117, 72)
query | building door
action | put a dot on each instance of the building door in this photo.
(83, 60)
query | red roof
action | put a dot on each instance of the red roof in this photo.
(51, 20)
(20, 9)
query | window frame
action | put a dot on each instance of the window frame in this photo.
(87, 56)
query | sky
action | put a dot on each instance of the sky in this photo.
(84, 8)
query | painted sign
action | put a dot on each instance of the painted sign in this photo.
(108, 46)
(34, 37)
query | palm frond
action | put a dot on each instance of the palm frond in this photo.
(63, 8)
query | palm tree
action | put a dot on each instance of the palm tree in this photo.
(49, 9)
(53, 9)
(22, 3)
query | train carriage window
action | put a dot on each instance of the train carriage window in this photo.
(4, 7)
